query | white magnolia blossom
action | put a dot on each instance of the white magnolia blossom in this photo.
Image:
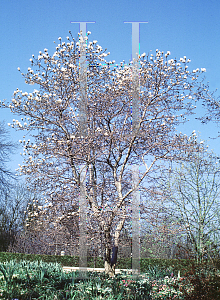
(99, 48)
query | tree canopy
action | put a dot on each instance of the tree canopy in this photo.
(54, 156)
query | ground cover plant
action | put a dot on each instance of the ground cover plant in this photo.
(39, 280)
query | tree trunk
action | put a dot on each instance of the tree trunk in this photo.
(111, 263)
(114, 257)
(109, 269)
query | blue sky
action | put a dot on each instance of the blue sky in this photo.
(184, 27)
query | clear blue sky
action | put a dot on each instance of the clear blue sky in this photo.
(184, 27)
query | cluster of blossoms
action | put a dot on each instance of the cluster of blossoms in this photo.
(56, 74)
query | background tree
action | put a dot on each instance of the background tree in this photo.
(13, 213)
(45, 232)
(56, 152)
(161, 232)
(8, 204)
(193, 188)
(161, 226)
(6, 148)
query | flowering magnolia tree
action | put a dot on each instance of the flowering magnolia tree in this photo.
(53, 160)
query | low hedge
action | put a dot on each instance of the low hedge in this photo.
(122, 263)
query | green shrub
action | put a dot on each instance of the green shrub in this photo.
(25, 280)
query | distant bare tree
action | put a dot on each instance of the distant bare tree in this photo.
(193, 189)
(12, 214)
(6, 149)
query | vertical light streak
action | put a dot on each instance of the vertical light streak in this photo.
(135, 168)
(83, 133)
(135, 221)
(82, 225)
